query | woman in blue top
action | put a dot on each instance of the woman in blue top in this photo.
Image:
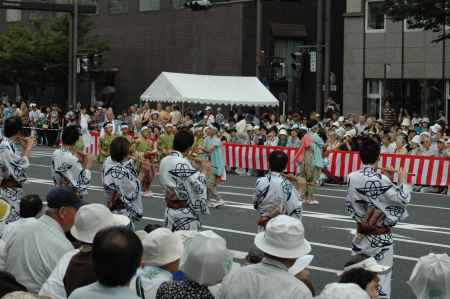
(213, 147)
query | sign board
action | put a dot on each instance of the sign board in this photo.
(333, 87)
(312, 61)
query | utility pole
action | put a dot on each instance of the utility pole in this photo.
(73, 98)
(327, 66)
(258, 36)
(319, 41)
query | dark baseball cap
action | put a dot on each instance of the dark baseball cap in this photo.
(59, 197)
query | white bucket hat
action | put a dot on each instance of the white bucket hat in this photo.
(207, 259)
(369, 264)
(284, 237)
(161, 247)
(431, 277)
(343, 291)
(92, 218)
(416, 140)
(436, 128)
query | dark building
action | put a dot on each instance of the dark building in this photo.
(151, 36)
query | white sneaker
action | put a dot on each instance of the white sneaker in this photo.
(220, 203)
(212, 204)
(147, 194)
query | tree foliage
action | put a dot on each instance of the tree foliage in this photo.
(426, 14)
(35, 54)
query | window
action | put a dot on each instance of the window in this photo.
(13, 15)
(90, 2)
(374, 94)
(178, 4)
(375, 19)
(118, 7)
(148, 5)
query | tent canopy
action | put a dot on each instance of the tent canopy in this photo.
(212, 90)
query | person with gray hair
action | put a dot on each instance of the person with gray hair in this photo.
(39, 243)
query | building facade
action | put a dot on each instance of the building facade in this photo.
(147, 37)
(386, 59)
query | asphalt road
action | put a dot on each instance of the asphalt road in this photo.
(327, 225)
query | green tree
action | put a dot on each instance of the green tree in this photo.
(426, 14)
(35, 54)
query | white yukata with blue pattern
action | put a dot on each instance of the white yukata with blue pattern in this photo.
(368, 189)
(178, 175)
(67, 171)
(12, 165)
(275, 191)
(121, 180)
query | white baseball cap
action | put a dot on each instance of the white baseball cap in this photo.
(369, 264)
(284, 237)
(301, 264)
(92, 218)
(161, 247)
(416, 139)
(283, 132)
(343, 291)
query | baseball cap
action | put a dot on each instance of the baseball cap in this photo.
(369, 264)
(59, 197)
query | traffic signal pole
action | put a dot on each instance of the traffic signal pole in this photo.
(74, 10)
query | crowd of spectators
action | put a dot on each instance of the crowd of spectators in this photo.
(71, 249)
(399, 132)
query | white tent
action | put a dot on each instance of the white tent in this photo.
(212, 90)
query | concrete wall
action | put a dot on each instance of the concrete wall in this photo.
(422, 57)
(353, 65)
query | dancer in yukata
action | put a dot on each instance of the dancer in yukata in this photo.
(121, 181)
(377, 205)
(276, 194)
(184, 185)
(71, 168)
(13, 164)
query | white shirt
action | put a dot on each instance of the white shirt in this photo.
(390, 149)
(54, 286)
(97, 291)
(269, 279)
(33, 254)
(151, 278)
(2, 255)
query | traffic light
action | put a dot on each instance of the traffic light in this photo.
(198, 4)
(297, 63)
